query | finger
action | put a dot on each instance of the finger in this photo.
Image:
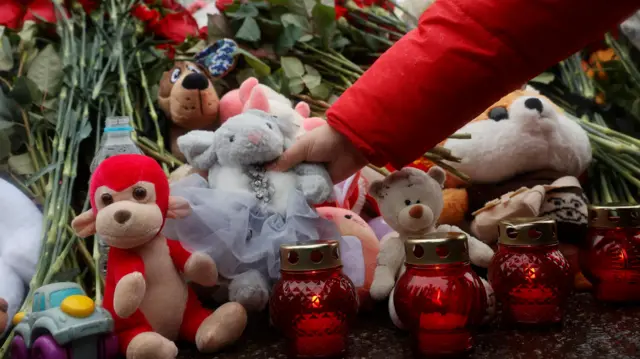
(292, 156)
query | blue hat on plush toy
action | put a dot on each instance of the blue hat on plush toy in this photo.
(218, 58)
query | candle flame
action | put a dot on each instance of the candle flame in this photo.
(438, 296)
(532, 273)
(315, 301)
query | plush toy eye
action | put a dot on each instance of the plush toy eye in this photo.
(232, 138)
(499, 113)
(106, 199)
(139, 193)
(418, 201)
(175, 75)
(193, 69)
(269, 125)
(348, 216)
(407, 202)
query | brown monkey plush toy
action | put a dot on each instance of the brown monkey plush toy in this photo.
(187, 95)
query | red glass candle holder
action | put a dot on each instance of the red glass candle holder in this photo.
(530, 276)
(439, 298)
(313, 302)
(610, 257)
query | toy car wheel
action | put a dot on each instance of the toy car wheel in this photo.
(45, 347)
(108, 347)
(19, 348)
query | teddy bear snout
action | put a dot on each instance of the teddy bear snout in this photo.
(254, 137)
(416, 212)
(195, 81)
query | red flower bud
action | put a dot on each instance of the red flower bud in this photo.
(149, 16)
(11, 14)
(41, 10)
(176, 27)
(222, 4)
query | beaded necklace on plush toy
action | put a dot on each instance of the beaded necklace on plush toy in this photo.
(260, 184)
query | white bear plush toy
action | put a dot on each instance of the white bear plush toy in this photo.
(20, 243)
(411, 201)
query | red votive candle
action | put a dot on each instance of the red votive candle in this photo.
(313, 302)
(529, 274)
(610, 256)
(439, 298)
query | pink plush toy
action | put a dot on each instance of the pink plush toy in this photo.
(351, 224)
(237, 101)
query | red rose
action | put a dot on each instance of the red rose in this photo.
(11, 14)
(341, 11)
(176, 27)
(41, 10)
(149, 16)
(222, 4)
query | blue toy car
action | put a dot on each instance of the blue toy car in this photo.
(63, 324)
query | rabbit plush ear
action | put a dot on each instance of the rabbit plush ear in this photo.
(198, 148)
(257, 101)
(303, 109)
(246, 87)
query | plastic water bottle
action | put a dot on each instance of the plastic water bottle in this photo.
(116, 140)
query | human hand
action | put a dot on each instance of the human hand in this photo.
(323, 145)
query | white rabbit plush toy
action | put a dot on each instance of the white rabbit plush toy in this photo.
(243, 212)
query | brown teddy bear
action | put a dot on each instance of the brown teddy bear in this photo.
(187, 94)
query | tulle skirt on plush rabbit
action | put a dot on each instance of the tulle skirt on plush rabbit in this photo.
(237, 233)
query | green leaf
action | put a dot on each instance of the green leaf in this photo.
(279, 2)
(6, 124)
(324, 17)
(249, 31)
(301, 7)
(6, 52)
(5, 144)
(544, 78)
(340, 42)
(296, 85)
(25, 91)
(27, 35)
(306, 38)
(313, 78)
(261, 68)
(287, 39)
(295, 20)
(244, 74)
(85, 130)
(9, 110)
(244, 11)
(21, 164)
(322, 91)
(218, 28)
(46, 71)
(292, 66)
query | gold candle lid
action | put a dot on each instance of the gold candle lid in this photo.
(437, 248)
(614, 215)
(310, 256)
(528, 231)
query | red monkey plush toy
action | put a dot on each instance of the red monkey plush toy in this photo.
(145, 291)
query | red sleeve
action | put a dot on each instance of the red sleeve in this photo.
(464, 56)
(123, 262)
(178, 254)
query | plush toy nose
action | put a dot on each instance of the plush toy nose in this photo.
(122, 216)
(416, 212)
(254, 137)
(195, 81)
(533, 104)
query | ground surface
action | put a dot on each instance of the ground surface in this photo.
(591, 330)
